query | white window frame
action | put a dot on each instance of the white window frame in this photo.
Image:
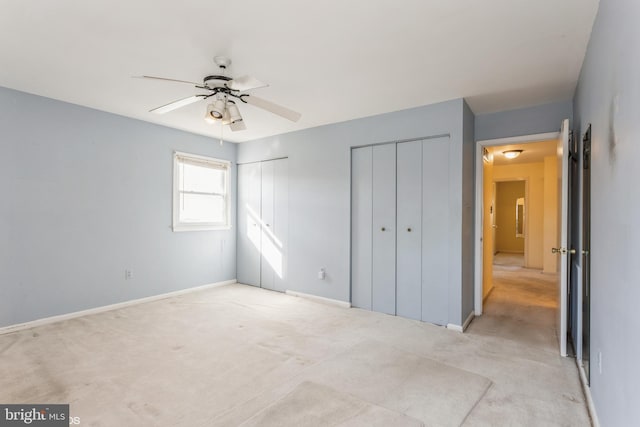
(200, 226)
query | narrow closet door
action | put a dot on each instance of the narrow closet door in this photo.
(409, 231)
(361, 226)
(280, 223)
(384, 229)
(435, 230)
(267, 248)
(249, 240)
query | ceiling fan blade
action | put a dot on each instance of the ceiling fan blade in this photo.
(279, 110)
(238, 125)
(166, 80)
(177, 104)
(243, 83)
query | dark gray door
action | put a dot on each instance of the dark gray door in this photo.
(586, 251)
(574, 238)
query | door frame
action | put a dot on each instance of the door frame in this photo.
(479, 202)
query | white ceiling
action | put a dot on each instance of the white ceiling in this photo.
(331, 60)
(532, 152)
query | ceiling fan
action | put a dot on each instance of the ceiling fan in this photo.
(224, 92)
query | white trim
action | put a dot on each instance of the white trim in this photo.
(225, 165)
(587, 394)
(54, 319)
(316, 298)
(200, 227)
(479, 202)
(456, 328)
(538, 137)
(204, 159)
(466, 323)
(464, 326)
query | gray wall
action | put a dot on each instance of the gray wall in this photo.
(608, 97)
(87, 195)
(319, 207)
(468, 212)
(525, 121)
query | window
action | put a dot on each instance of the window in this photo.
(200, 193)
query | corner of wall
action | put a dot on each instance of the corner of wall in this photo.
(468, 206)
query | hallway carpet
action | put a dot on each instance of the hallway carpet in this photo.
(505, 258)
(238, 355)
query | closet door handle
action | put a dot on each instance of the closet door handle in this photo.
(409, 229)
(383, 229)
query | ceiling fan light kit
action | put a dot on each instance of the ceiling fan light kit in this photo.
(223, 88)
(219, 107)
(208, 117)
(234, 112)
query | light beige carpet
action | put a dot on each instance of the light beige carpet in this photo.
(311, 404)
(437, 394)
(508, 259)
(238, 354)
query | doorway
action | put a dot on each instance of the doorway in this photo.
(508, 222)
(536, 220)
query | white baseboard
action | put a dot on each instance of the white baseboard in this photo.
(587, 394)
(329, 301)
(464, 326)
(61, 317)
(466, 323)
(456, 328)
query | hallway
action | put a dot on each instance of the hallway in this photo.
(521, 307)
(520, 317)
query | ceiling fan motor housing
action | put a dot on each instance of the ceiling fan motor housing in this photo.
(215, 81)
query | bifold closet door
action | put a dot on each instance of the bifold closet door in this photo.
(280, 231)
(409, 231)
(435, 230)
(274, 215)
(267, 249)
(361, 226)
(249, 230)
(383, 250)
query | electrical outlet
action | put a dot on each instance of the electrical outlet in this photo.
(321, 274)
(128, 275)
(600, 362)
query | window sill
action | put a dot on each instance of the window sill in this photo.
(195, 227)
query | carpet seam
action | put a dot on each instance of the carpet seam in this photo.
(464, 420)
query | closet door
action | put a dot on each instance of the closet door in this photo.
(280, 223)
(409, 231)
(435, 228)
(268, 247)
(384, 229)
(249, 239)
(361, 226)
